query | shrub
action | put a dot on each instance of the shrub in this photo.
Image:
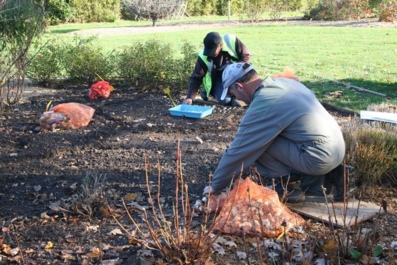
(21, 23)
(146, 63)
(46, 65)
(182, 68)
(276, 7)
(175, 237)
(387, 10)
(254, 9)
(58, 11)
(339, 10)
(84, 61)
(371, 149)
(96, 10)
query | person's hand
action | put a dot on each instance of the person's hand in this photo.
(208, 190)
(188, 101)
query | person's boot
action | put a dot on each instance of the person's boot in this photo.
(339, 178)
(203, 94)
(287, 187)
(312, 186)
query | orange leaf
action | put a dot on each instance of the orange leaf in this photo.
(330, 247)
(49, 245)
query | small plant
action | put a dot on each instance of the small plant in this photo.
(345, 240)
(371, 150)
(89, 199)
(176, 240)
(92, 196)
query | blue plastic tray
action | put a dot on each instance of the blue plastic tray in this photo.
(191, 111)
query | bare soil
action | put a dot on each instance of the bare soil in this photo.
(131, 134)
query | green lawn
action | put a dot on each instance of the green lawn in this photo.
(364, 57)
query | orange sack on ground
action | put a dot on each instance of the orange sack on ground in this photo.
(66, 116)
(251, 209)
(287, 73)
(100, 89)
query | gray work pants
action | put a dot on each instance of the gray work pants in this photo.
(311, 160)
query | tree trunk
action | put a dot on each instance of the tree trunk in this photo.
(228, 9)
(154, 20)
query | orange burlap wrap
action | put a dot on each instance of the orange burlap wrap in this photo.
(251, 209)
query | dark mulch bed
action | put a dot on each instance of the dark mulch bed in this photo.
(130, 130)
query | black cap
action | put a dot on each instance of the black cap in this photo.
(211, 43)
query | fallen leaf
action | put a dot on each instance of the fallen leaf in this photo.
(6, 249)
(367, 260)
(95, 253)
(45, 216)
(105, 212)
(106, 247)
(74, 220)
(14, 251)
(93, 228)
(218, 249)
(49, 245)
(145, 253)
(67, 251)
(273, 254)
(230, 244)
(68, 256)
(136, 206)
(134, 241)
(199, 139)
(110, 262)
(222, 240)
(320, 262)
(115, 232)
(71, 239)
(132, 196)
(241, 255)
(330, 247)
(393, 244)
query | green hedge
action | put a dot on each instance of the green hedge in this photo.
(146, 64)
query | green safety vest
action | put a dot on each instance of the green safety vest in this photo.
(230, 47)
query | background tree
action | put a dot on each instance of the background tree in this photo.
(21, 22)
(95, 10)
(151, 9)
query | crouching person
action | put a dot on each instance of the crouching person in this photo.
(286, 133)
